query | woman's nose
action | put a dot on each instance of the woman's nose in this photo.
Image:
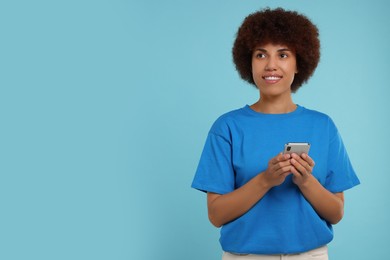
(271, 64)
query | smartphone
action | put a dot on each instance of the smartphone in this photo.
(298, 148)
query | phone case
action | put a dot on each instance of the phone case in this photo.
(297, 148)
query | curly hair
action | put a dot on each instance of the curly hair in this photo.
(278, 26)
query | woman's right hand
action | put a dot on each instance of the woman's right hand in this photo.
(278, 169)
(223, 208)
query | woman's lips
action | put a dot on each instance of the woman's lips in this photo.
(272, 79)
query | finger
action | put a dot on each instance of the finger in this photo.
(274, 160)
(308, 159)
(281, 158)
(286, 156)
(299, 167)
(284, 170)
(310, 162)
(296, 173)
(303, 162)
(285, 174)
(274, 163)
(282, 166)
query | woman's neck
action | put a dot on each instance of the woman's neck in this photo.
(267, 106)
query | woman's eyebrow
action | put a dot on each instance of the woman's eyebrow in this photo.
(260, 49)
(284, 49)
(279, 50)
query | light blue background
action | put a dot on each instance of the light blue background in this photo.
(105, 107)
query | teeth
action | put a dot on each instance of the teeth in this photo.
(272, 78)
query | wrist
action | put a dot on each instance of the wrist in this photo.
(310, 182)
(263, 182)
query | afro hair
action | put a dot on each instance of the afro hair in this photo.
(278, 26)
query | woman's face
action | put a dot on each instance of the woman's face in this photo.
(273, 69)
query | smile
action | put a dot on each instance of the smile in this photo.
(272, 78)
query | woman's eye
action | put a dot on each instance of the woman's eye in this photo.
(260, 55)
(283, 55)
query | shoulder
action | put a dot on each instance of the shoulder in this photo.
(231, 116)
(319, 119)
(317, 115)
(226, 121)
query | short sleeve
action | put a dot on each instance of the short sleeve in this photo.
(215, 170)
(341, 175)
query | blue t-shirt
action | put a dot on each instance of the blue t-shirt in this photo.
(240, 145)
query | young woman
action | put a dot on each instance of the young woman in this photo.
(271, 204)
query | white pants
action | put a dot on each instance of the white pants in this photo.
(320, 253)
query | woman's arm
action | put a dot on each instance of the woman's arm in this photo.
(330, 206)
(227, 207)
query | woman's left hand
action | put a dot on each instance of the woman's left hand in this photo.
(303, 168)
(328, 205)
